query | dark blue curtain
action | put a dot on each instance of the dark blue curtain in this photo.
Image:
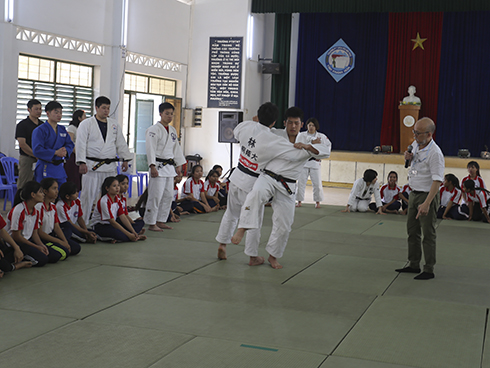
(349, 111)
(464, 83)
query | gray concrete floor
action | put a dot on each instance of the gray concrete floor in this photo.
(168, 301)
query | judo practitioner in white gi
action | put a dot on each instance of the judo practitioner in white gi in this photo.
(362, 191)
(99, 141)
(165, 159)
(313, 167)
(279, 182)
(258, 145)
(52, 145)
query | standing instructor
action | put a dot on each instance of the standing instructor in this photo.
(426, 175)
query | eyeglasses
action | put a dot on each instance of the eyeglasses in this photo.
(418, 133)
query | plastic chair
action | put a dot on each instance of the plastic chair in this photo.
(8, 164)
(9, 194)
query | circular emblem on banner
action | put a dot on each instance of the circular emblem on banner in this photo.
(338, 60)
(408, 121)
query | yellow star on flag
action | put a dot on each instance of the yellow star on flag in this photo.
(418, 42)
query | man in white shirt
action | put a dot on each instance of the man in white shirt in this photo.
(426, 175)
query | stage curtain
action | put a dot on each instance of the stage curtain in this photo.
(362, 6)
(349, 111)
(407, 66)
(464, 99)
(282, 55)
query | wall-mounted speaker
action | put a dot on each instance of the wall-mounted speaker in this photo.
(228, 120)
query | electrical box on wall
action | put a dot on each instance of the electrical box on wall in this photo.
(270, 68)
(188, 118)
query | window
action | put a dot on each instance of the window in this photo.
(151, 85)
(47, 80)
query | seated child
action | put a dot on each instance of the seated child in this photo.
(474, 174)
(123, 188)
(404, 196)
(211, 189)
(390, 194)
(109, 220)
(194, 198)
(23, 225)
(224, 186)
(450, 197)
(11, 257)
(70, 214)
(50, 231)
(363, 189)
(478, 196)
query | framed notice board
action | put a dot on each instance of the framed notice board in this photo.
(225, 72)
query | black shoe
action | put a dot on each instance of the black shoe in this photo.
(425, 276)
(408, 270)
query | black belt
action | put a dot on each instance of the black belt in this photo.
(312, 159)
(281, 179)
(419, 192)
(166, 161)
(102, 161)
(55, 162)
(247, 171)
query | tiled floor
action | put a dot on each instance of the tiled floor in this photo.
(337, 303)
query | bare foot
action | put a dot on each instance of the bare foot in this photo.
(222, 252)
(185, 213)
(142, 232)
(274, 264)
(298, 204)
(113, 241)
(163, 225)
(317, 205)
(256, 261)
(154, 228)
(23, 264)
(142, 237)
(237, 238)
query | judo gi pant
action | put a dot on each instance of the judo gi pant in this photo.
(423, 226)
(316, 179)
(92, 187)
(160, 196)
(283, 205)
(236, 198)
(361, 205)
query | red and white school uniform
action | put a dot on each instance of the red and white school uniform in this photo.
(449, 195)
(479, 197)
(124, 204)
(19, 218)
(48, 216)
(389, 193)
(193, 187)
(211, 190)
(479, 183)
(69, 211)
(107, 209)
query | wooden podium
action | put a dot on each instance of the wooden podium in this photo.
(409, 114)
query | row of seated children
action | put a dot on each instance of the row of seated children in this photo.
(197, 196)
(387, 199)
(38, 232)
(32, 235)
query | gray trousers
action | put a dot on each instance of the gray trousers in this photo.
(422, 231)
(25, 170)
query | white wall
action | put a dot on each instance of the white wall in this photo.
(223, 18)
(156, 28)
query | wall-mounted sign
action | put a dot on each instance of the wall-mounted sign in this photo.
(225, 72)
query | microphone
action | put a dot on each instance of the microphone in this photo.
(409, 150)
